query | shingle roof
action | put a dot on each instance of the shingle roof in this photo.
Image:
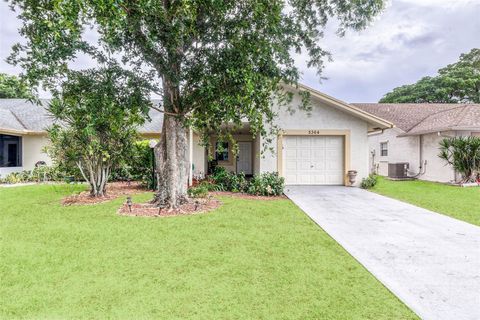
(419, 118)
(24, 116)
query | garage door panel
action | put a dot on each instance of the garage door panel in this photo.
(290, 142)
(318, 154)
(334, 178)
(319, 179)
(304, 165)
(334, 166)
(304, 153)
(318, 142)
(334, 143)
(313, 160)
(291, 165)
(304, 179)
(291, 154)
(319, 165)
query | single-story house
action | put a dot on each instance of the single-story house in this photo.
(315, 147)
(419, 128)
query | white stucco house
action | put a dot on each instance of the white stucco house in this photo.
(415, 139)
(316, 147)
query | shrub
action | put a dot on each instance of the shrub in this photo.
(138, 166)
(266, 184)
(238, 182)
(221, 178)
(200, 191)
(463, 153)
(369, 182)
(97, 113)
(39, 174)
(229, 181)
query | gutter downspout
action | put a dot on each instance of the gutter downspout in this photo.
(422, 164)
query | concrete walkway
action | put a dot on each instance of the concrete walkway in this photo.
(428, 260)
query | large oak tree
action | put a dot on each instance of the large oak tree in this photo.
(217, 62)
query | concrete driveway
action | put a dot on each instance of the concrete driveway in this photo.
(428, 260)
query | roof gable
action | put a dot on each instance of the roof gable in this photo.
(372, 119)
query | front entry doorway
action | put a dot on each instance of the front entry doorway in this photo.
(244, 158)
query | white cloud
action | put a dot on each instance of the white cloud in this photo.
(411, 39)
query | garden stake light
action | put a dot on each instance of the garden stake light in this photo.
(129, 203)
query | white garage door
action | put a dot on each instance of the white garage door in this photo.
(313, 160)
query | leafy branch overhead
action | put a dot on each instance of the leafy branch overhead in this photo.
(224, 58)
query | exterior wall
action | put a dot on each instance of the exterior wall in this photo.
(400, 149)
(437, 169)
(33, 151)
(406, 149)
(322, 117)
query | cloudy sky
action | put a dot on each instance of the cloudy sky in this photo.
(409, 40)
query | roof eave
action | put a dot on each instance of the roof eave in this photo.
(422, 132)
(21, 132)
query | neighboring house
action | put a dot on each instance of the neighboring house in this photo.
(23, 137)
(316, 147)
(419, 128)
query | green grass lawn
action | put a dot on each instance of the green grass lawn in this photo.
(246, 260)
(456, 202)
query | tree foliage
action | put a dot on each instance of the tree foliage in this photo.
(463, 153)
(218, 62)
(456, 83)
(12, 87)
(97, 115)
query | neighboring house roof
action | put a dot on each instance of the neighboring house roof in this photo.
(19, 116)
(421, 118)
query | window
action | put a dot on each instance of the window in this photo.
(10, 151)
(384, 149)
(221, 151)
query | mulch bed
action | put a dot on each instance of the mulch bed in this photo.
(114, 190)
(246, 195)
(194, 206)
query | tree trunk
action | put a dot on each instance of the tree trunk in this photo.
(171, 155)
(96, 174)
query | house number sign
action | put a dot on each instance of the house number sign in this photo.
(314, 132)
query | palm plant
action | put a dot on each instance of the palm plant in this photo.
(463, 153)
